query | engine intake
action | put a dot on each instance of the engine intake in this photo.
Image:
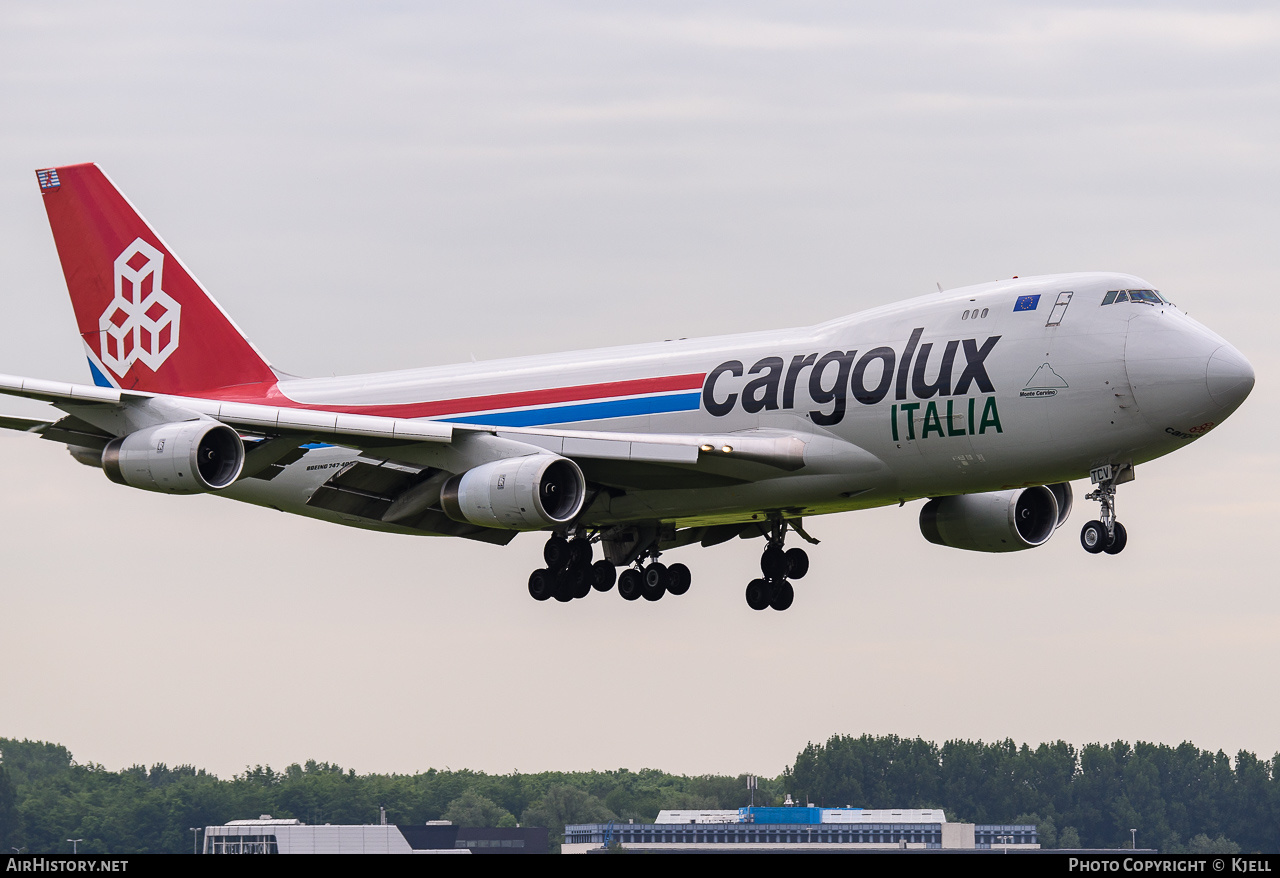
(190, 457)
(520, 493)
(1000, 521)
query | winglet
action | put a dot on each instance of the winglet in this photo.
(146, 322)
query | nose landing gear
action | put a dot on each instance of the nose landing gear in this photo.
(1106, 534)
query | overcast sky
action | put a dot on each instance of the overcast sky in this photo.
(385, 185)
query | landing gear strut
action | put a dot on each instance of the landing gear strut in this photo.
(1106, 534)
(778, 565)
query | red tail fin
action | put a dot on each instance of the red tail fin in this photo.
(146, 322)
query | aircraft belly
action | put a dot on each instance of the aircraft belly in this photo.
(797, 495)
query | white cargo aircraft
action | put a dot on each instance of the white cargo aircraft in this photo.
(987, 399)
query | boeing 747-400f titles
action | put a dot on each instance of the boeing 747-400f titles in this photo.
(988, 399)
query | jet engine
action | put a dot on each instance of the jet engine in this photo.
(1000, 521)
(519, 493)
(189, 457)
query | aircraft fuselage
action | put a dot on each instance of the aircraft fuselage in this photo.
(952, 393)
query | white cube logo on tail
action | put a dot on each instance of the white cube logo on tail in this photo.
(141, 323)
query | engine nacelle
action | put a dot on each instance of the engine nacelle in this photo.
(519, 493)
(1062, 493)
(1000, 521)
(189, 457)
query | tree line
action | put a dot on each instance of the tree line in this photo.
(1177, 798)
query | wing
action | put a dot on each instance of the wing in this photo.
(99, 414)
(402, 463)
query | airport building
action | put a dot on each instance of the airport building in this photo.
(799, 829)
(268, 835)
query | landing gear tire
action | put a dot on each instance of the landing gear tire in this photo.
(773, 563)
(564, 590)
(542, 584)
(781, 594)
(603, 576)
(797, 563)
(556, 553)
(578, 579)
(1093, 536)
(1118, 541)
(758, 594)
(656, 581)
(680, 579)
(630, 584)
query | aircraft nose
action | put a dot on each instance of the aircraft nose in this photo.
(1229, 376)
(1182, 374)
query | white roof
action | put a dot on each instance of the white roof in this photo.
(698, 816)
(829, 815)
(883, 815)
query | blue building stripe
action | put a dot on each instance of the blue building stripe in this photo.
(591, 411)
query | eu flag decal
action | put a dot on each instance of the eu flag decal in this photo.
(1027, 303)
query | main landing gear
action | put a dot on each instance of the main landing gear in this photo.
(1107, 534)
(778, 565)
(570, 574)
(651, 581)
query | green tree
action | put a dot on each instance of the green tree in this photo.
(1202, 844)
(473, 809)
(1046, 829)
(10, 820)
(563, 804)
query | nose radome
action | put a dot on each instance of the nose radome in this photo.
(1229, 376)
(1166, 362)
(1183, 375)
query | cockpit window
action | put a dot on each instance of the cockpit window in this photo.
(1146, 297)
